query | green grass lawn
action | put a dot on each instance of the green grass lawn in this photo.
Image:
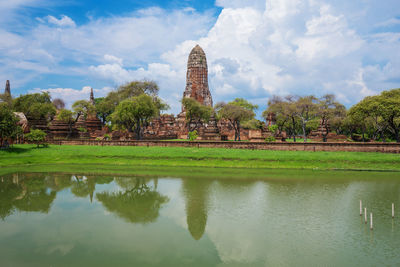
(28, 157)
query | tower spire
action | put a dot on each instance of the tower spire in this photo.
(91, 96)
(197, 77)
(7, 90)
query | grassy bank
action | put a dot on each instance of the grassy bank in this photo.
(27, 157)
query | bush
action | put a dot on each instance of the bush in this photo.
(270, 139)
(193, 135)
(107, 137)
(81, 129)
(273, 128)
(37, 136)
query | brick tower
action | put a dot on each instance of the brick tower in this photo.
(7, 90)
(197, 77)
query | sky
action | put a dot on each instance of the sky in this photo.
(255, 49)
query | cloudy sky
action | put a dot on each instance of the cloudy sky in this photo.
(255, 49)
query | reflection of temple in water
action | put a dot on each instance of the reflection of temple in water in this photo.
(196, 196)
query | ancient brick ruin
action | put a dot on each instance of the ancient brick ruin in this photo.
(197, 77)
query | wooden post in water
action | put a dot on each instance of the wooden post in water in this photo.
(371, 226)
(392, 210)
(365, 215)
(360, 207)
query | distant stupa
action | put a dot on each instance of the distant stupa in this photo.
(7, 90)
(91, 96)
(197, 77)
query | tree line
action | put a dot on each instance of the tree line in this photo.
(133, 105)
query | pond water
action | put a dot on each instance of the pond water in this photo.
(75, 220)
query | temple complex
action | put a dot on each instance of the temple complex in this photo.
(165, 126)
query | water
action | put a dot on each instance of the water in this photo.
(72, 220)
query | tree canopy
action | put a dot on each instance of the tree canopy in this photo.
(196, 113)
(35, 106)
(8, 123)
(134, 113)
(236, 112)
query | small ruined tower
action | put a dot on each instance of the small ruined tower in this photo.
(7, 90)
(91, 96)
(197, 77)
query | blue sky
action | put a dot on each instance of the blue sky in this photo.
(255, 49)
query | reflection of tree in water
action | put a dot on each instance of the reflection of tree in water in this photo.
(196, 195)
(36, 192)
(9, 191)
(25, 193)
(83, 186)
(138, 202)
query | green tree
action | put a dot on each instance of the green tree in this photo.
(67, 116)
(305, 109)
(104, 108)
(252, 124)
(390, 107)
(328, 109)
(359, 115)
(193, 135)
(284, 114)
(36, 136)
(8, 123)
(137, 88)
(107, 105)
(241, 102)
(7, 99)
(35, 106)
(135, 113)
(196, 113)
(236, 112)
(83, 108)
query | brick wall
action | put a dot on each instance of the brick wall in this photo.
(353, 147)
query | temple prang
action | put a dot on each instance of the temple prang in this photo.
(197, 77)
(7, 90)
(91, 97)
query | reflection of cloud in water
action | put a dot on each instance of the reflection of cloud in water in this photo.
(62, 248)
(175, 208)
(234, 222)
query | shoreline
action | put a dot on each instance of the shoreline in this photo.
(198, 172)
(125, 159)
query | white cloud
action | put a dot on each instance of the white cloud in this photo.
(70, 95)
(297, 47)
(254, 49)
(112, 59)
(259, 4)
(389, 22)
(64, 21)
